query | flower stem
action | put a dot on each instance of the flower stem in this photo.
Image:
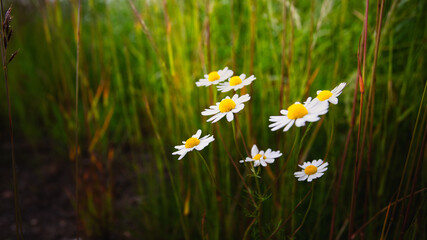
(200, 182)
(302, 139)
(235, 139)
(207, 167)
(241, 134)
(308, 209)
(164, 158)
(237, 169)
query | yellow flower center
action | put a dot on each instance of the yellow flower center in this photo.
(213, 76)
(258, 157)
(297, 111)
(192, 142)
(324, 95)
(226, 105)
(310, 170)
(235, 81)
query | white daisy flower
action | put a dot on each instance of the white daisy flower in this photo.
(235, 83)
(311, 170)
(261, 157)
(195, 142)
(227, 107)
(331, 96)
(299, 114)
(214, 78)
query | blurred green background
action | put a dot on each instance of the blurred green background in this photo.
(138, 99)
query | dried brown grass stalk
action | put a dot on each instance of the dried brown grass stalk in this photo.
(76, 160)
(361, 78)
(6, 34)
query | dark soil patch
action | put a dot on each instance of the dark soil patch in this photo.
(47, 189)
(44, 187)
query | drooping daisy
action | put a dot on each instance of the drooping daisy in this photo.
(261, 157)
(195, 142)
(236, 82)
(331, 96)
(311, 170)
(214, 78)
(227, 107)
(299, 114)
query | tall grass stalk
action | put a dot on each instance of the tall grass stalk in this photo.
(342, 162)
(164, 157)
(6, 33)
(371, 105)
(358, 161)
(290, 215)
(233, 125)
(76, 153)
(415, 177)
(385, 209)
(148, 35)
(306, 212)
(207, 168)
(250, 192)
(404, 170)
(283, 62)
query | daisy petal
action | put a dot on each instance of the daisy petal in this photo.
(198, 133)
(269, 160)
(303, 178)
(230, 116)
(289, 125)
(333, 100)
(263, 163)
(180, 157)
(254, 150)
(299, 122)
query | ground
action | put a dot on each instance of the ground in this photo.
(45, 187)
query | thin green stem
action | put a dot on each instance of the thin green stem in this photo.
(160, 142)
(237, 170)
(245, 236)
(308, 210)
(207, 167)
(416, 128)
(241, 134)
(215, 93)
(259, 207)
(200, 182)
(235, 139)
(302, 139)
(290, 215)
(387, 208)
